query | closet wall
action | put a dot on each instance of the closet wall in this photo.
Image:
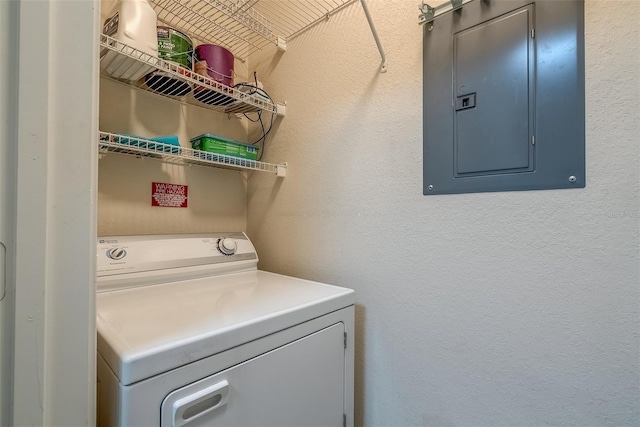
(217, 197)
(496, 309)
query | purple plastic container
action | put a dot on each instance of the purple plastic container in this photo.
(219, 62)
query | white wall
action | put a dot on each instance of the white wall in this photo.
(498, 309)
(51, 253)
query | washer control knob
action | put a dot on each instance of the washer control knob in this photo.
(227, 246)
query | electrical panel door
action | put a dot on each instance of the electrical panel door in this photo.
(504, 97)
(493, 83)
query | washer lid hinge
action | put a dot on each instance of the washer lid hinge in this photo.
(345, 340)
(344, 419)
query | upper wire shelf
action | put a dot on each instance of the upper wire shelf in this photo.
(169, 79)
(145, 148)
(245, 26)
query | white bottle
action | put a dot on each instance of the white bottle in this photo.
(133, 23)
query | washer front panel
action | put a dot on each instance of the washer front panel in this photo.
(139, 403)
(298, 384)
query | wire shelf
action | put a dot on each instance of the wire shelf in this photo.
(245, 26)
(141, 147)
(291, 18)
(234, 25)
(125, 63)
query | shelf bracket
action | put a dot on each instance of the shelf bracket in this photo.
(281, 108)
(383, 65)
(281, 170)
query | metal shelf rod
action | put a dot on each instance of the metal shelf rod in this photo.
(383, 65)
(327, 15)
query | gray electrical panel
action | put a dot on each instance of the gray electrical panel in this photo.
(504, 97)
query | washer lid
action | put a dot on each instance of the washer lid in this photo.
(148, 330)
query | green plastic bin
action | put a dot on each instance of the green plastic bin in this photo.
(228, 147)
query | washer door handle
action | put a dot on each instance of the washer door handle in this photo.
(202, 402)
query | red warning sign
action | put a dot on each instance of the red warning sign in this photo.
(169, 195)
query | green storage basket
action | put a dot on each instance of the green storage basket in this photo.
(228, 147)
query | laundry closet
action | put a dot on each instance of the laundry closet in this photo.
(474, 302)
(189, 331)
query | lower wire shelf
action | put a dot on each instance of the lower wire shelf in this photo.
(145, 148)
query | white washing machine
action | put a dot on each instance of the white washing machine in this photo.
(191, 333)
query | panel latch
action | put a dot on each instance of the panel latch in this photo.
(466, 101)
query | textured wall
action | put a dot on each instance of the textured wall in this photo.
(217, 197)
(498, 309)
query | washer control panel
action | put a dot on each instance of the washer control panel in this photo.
(134, 254)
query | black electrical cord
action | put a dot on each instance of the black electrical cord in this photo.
(262, 140)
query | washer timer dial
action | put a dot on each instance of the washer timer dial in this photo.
(227, 246)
